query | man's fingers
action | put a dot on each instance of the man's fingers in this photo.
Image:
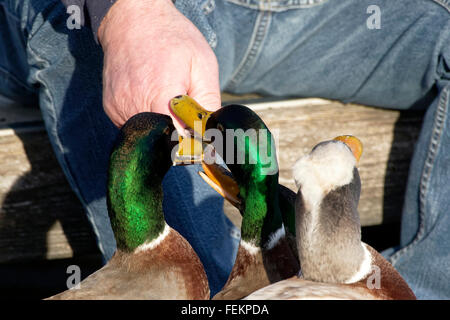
(209, 100)
(204, 86)
(161, 102)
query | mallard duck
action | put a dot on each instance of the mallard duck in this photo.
(264, 254)
(335, 263)
(196, 117)
(152, 261)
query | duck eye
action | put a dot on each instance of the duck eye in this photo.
(166, 131)
(200, 116)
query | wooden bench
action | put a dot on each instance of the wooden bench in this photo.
(41, 219)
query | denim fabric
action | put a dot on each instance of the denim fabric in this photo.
(424, 255)
(308, 48)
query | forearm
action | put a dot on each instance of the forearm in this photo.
(125, 20)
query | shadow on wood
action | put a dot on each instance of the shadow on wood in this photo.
(40, 219)
(405, 134)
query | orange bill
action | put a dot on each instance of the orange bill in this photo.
(353, 143)
(220, 180)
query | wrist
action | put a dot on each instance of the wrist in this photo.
(124, 15)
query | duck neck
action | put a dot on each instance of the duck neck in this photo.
(261, 213)
(135, 194)
(329, 238)
(258, 185)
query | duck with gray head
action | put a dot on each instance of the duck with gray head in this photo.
(335, 263)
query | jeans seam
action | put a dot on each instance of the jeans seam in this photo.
(276, 6)
(436, 135)
(444, 4)
(259, 33)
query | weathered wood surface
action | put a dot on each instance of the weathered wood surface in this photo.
(40, 218)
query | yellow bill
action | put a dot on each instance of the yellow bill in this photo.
(353, 143)
(190, 112)
(189, 151)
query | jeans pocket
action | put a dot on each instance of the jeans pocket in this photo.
(277, 5)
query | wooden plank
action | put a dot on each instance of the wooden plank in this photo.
(12, 114)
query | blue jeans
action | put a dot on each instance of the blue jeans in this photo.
(310, 48)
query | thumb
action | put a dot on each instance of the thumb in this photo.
(209, 100)
(204, 85)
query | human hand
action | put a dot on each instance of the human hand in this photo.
(153, 53)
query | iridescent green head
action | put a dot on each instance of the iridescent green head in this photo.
(248, 150)
(138, 163)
